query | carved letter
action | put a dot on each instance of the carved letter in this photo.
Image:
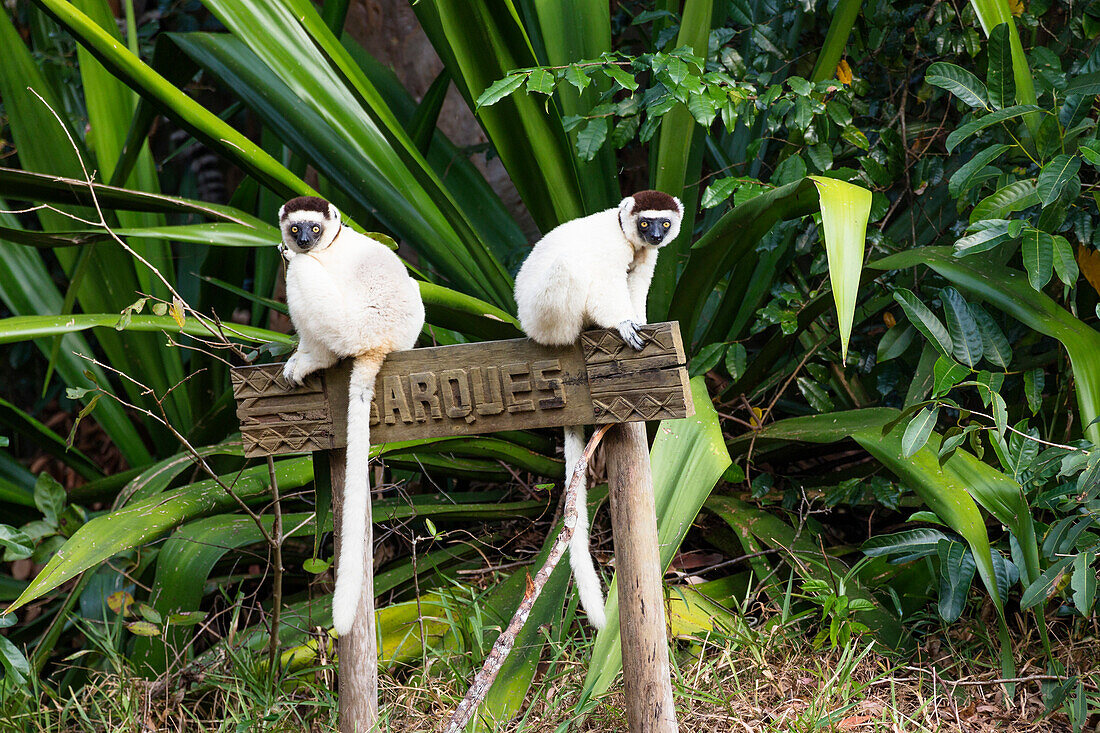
(393, 399)
(493, 403)
(539, 369)
(375, 417)
(512, 386)
(423, 388)
(462, 407)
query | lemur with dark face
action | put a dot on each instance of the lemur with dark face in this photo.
(594, 272)
(349, 296)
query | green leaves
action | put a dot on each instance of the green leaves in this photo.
(968, 173)
(500, 89)
(1054, 177)
(966, 337)
(964, 132)
(960, 82)
(925, 321)
(917, 431)
(999, 79)
(1037, 249)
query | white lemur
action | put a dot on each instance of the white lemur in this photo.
(594, 272)
(348, 296)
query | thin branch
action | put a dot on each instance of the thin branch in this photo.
(507, 639)
(277, 582)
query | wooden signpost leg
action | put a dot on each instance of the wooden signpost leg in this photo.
(358, 655)
(646, 672)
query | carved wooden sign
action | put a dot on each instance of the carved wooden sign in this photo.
(466, 389)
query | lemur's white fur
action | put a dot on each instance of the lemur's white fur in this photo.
(348, 296)
(592, 272)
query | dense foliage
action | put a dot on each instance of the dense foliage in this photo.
(864, 480)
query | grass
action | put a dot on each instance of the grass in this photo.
(764, 677)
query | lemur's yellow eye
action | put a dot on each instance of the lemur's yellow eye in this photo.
(294, 230)
(644, 225)
(666, 225)
(316, 228)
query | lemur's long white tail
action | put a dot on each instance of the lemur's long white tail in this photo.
(353, 529)
(588, 582)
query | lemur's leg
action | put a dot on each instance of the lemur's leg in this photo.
(309, 357)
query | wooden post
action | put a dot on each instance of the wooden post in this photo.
(472, 389)
(358, 656)
(646, 673)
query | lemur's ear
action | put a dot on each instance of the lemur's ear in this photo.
(679, 205)
(626, 206)
(333, 213)
(282, 210)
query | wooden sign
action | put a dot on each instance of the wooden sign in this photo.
(467, 389)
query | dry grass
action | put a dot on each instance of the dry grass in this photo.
(761, 682)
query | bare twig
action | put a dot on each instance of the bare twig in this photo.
(277, 579)
(503, 646)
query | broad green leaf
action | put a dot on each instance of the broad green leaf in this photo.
(815, 394)
(963, 132)
(216, 133)
(1083, 583)
(480, 45)
(1010, 291)
(992, 233)
(995, 346)
(999, 78)
(591, 138)
(24, 328)
(894, 342)
(736, 360)
(1087, 84)
(1006, 200)
(688, 457)
(845, 209)
(1040, 589)
(959, 82)
(966, 337)
(19, 184)
(917, 431)
(1054, 177)
(967, 175)
(49, 497)
(17, 666)
(925, 321)
(1065, 264)
(708, 357)
(1037, 249)
(15, 543)
(910, 542)
(500, 89)
(540, 81)
(218, 234)
(956, 572)
(677, 167)
(731, 239)
(947, 373)
(1034, 380)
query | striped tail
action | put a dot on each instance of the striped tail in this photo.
(353, 529)
(584, 572)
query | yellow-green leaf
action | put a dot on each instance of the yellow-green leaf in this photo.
(845, 209)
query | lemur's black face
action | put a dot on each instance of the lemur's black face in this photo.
(305, 234)
(653, 230)
(308, 223)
